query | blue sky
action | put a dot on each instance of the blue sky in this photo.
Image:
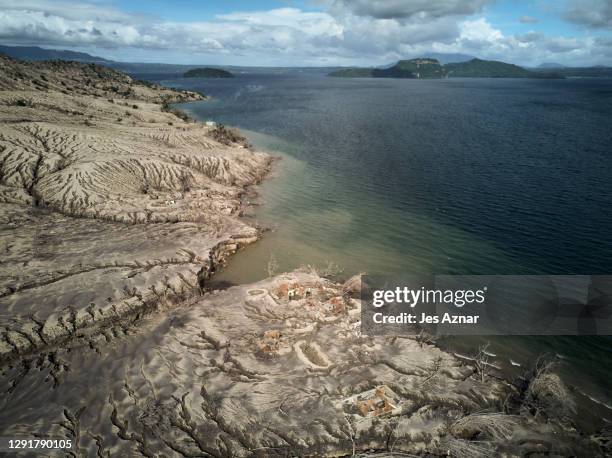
(315, 32)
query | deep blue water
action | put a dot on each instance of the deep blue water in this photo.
(460, 176)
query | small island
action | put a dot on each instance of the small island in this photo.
(413, 68)
(426, 68)
(207, 72)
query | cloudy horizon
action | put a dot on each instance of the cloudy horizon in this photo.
(317, 32)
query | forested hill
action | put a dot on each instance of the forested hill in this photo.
(426, 68)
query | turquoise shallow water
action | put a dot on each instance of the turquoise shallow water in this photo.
(349, 234)
(447, 177)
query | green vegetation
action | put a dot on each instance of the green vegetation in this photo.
(353, 73)
(413, 68)
(175, 111)
(147, 84)
(207, 72)
(228, 136)
(431, 68)
(477, 68)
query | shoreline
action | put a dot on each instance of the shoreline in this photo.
(512, 375)
(97, 177)
(205, 375)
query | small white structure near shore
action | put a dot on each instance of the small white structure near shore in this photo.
(211, 124)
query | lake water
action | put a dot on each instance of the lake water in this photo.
(460, 176)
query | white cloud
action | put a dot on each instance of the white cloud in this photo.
(480, 38)
(68, 9)
(479, 31)
(289, 32)
(340, 35)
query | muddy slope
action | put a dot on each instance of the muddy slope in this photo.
(109, 202)
(251, 372)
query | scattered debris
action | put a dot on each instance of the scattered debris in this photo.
(373, 403)
(270, 343)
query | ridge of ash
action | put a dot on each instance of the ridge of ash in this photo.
(280, 368)
(111, 205)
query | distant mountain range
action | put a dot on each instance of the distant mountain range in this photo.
(37, 53)
(428, 68)
(579, 72)
(477, 68)
(549, 65)
(442, 65)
